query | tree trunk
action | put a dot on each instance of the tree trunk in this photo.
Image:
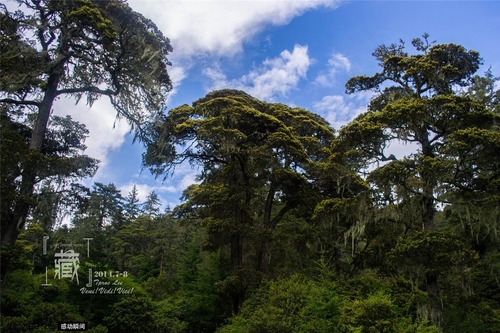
(431, 279)
(263, 257)
(336, 258)
(435, 302)
(428, 215)
(236, 264)
(429, 184)
(28, 179)
(263, 243)
(161, 263)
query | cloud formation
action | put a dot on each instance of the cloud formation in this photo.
(105, 132)
(339, 110)
(202, 28)
(220, 27)
(337, 62)
(276, 76)
(181, 180)
(144, 189)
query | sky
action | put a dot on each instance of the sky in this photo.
(300, 53)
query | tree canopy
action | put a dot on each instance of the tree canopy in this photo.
(255, 158)
(290, 226)
(422, 104)
(83, 49)
(80, 49)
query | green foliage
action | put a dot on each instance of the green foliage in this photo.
(429, 251)
(289, 228)
(483, 90)
(49, 314)
(378, 313)
(19, 293)
(252, 154)
(133, 311)
(98, 329)
(33, 308)
(131, 206)
(202, 307)
(151, 206)
(16, 324)
(167, 316)
(92, 17)
(464, 321)
(159, 287)
(295, 304)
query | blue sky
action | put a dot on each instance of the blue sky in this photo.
(295, 52)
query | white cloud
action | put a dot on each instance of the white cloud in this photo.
(339, 110)
(187, 180)
(177, 74)
(201, 28)
(218, 78)
(182, 179)
(276, 76)
(337, 62)
(219, 27)
(105, 132)
(144, 189)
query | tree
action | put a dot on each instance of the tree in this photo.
(151, 206)
(131, 205)
(422, 105)
(104, 206)
(378, 313)
(483, 90)
(344, 211)
(79, 49)
(60, 165)
(255, 159)
(59, 191)
(134, 242)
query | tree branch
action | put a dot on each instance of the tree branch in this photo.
(288, 206)
(91, 89)
(16, 102)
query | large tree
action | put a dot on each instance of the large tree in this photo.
(255, 159)
(81, 49)
(420, 103)
(60, 166)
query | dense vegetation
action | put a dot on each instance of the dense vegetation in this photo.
(292, 225)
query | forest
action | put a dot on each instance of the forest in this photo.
(291, 226)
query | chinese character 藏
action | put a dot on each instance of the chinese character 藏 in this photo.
(67, 265)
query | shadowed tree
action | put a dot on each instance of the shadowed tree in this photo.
(80, 49)
(419, 103)
(255, 159)
(105, 206)
(60, 165)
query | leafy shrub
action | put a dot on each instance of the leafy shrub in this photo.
(295, 304)
(378, 314)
